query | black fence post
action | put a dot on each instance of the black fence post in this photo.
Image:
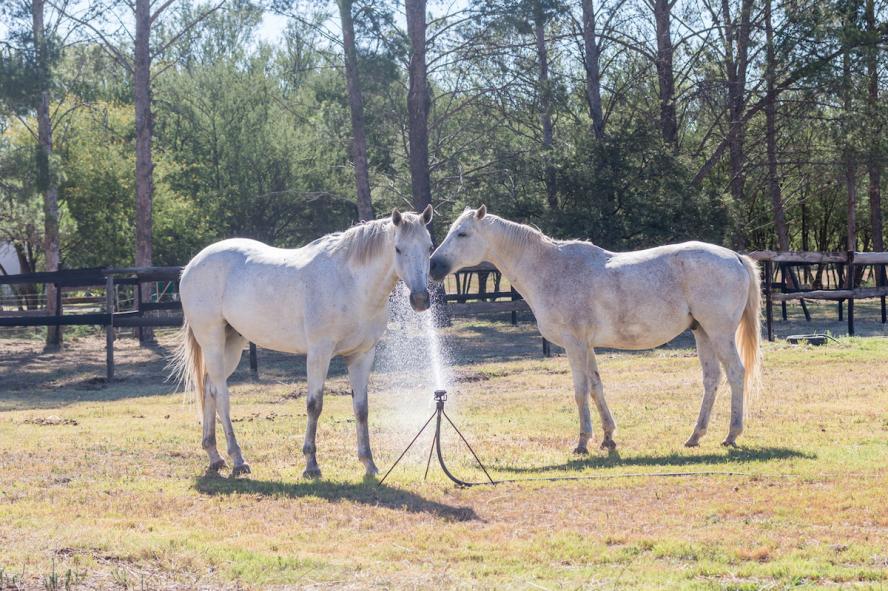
(769, 309)
(254, 361)
(850, 281)
(109, 327)
(57, 330)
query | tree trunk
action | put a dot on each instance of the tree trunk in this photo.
(356, 107)
(418, 105)
(45, 178)
(665, 76)
(771, 135)
(737, 39)
(593, 72)
(874, 167)
(539, 26)
(850, 163)
(144, 123)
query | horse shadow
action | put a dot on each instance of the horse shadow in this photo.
(740, 455)
(366, 493)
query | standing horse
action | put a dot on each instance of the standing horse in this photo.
(584, 297)
(325, 299)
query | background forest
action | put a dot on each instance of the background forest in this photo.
(137, 131)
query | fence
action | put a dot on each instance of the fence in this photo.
(475, 290)
(839, 277)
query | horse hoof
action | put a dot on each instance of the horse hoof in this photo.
(581, 450)
(216, 466)
(312, 473)
(693, 441)
(240, 469)
(371, 470)
(608, 444)
(729, 443)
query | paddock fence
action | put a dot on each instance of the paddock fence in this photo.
(147, 297)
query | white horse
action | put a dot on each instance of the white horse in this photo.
(584, 297)
(325, 299)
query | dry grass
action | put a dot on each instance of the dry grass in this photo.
(103, 485)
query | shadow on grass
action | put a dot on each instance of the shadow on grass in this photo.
(739, 455)
(367, 493)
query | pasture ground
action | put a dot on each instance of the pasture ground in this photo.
(102, 485)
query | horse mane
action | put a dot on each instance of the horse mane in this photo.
(363, 242)
(521, 236)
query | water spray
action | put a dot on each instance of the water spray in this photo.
(440, 399)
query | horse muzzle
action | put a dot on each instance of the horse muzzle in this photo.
(420, 300)
(438, 269)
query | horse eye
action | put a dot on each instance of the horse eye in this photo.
(397, 250)
(461, 235)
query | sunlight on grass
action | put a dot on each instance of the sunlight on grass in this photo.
(116, 492)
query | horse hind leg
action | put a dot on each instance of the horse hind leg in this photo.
(577, 356)
(711, 377)
(234, 347)
(217, 374)
(608, 425)
(726, 350)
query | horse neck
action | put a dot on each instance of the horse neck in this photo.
(521, 264)
(376, 278)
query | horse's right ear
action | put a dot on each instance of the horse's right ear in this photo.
(482, 211)
(396, 217)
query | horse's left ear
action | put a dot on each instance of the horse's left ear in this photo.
(427, 214)
(396, 217)
(482, 211)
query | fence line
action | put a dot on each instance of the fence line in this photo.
(470, 294)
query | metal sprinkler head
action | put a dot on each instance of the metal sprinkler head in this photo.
(440, 397)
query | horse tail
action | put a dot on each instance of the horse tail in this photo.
(748, 337)
(187, 366)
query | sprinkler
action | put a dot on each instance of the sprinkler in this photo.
(440, 397)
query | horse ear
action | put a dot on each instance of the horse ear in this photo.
(396, 217)
(482, 211)
(427, 214)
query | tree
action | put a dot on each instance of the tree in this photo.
(356, 109)
(145, 19)
(418, 104)
(592, 64)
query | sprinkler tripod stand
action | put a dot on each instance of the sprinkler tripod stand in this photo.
(440, 398)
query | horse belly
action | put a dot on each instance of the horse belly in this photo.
(644, 327)
(267, 315)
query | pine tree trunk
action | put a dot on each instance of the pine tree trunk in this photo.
(874, 166)
(737, 40)
(45, 178)
(593, 72)
(771, 135)
(545, 90)
(418, 105)
(356, 107)
(850, 161)
(665, 75)
(144, 123)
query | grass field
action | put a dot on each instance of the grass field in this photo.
(103, 485)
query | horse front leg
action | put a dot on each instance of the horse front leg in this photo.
(317, 364)
(576, 354)
(359, 375)
(608, 425)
